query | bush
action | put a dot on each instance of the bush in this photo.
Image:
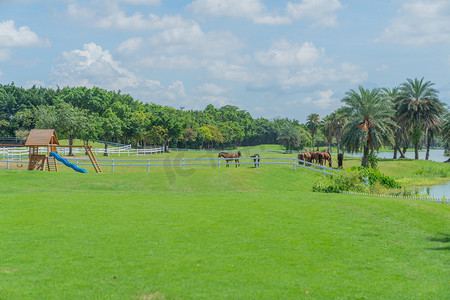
(432, 172)
(373, 161)
(347, 181)
(376, 176)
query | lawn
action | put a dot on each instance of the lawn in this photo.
(209, 233)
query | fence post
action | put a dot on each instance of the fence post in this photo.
(7, 162)
(323, 171)
(182, 163)
(218, 162)
(112, 166)
(148, 165)
(293, 162)
(119, 152)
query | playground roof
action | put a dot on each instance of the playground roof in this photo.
(42, 137)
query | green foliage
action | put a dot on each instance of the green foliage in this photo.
(346, 181)
(375, 176)
(372, 161)
(431, 171)
(370, 123)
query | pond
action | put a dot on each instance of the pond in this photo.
(436, 191)
(435, 155)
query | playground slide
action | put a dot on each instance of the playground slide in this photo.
(67, 163)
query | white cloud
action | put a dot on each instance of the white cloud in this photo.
(420, 22)
(10, 36)
(286, 54)
(143, 2)
(212, 89)
(220, 69)
(382, 68)
(5, 54)
(92, 66)
(322, 99)
(130, 46)
(321, 11)
(231, 8)
(111, 16)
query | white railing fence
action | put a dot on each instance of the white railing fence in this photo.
(126, 151)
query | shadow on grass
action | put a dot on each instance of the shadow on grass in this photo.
(443, 238)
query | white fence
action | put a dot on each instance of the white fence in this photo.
(420, 197)
(126, 150)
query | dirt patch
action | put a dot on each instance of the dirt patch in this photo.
(8, 270)
(152, 296)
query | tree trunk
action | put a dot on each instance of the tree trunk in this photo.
(365, 159)
(416, 151)
(70, 144)
(395, 151)
(427, 156)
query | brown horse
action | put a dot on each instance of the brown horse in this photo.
(231, 156)
(327, 157)
(317, 157)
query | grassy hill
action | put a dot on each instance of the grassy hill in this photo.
(209, 233)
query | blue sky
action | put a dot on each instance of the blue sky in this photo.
(271, 58)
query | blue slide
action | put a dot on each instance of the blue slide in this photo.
(67, 163)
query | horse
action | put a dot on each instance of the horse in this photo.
(301, 156)
(256, 160)
(231, 156)
(327, 156)
(317, 157)
(340, 158)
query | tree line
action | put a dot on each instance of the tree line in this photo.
(410, 114)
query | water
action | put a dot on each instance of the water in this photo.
(436, 191)
(435, 155)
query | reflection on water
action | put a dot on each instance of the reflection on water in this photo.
(435, 155)
(437, 190)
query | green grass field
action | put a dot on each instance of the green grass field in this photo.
(209, 233)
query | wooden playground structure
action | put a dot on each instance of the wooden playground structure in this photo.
(47, 138)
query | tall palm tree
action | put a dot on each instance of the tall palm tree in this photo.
(340, 119)
(400, 134)
(418, 108)
(432, 132)
(370, 122)
(313, 122)
(328, 128)
(445, 131)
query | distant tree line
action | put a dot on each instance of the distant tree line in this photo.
(408, 115)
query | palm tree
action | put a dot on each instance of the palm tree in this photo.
(400, 134)
(418, 108)
(433, 131)
(340, 119)
(328, 128)
(313, 122)
(445, 131)
(370, 122)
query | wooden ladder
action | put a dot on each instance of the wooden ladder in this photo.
(51, 164)
(93, 159)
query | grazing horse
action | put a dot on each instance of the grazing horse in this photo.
(327, 157)
(256, 160)
(340, 157)
(301, 156)
(316, 157)
(231, 156)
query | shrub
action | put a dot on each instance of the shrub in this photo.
(373, 161)
(346, 181)
(432, 172)
(376, 176)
